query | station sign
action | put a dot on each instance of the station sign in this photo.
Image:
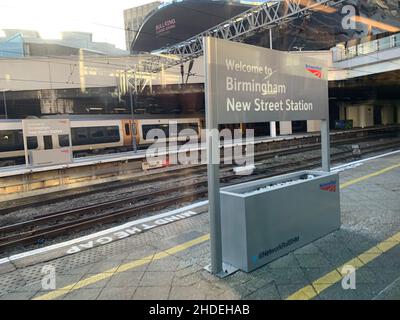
(47, 141)
(248, 84)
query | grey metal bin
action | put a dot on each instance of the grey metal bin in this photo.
(268, 218)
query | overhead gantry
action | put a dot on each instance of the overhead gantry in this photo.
(263, 17)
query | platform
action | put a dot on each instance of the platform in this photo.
(126, 156)
(167, 261)
(141, 154)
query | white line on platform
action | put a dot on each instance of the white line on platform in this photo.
(102, 233)
(344, 166)
(159, 216)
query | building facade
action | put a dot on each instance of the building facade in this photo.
(134, 18)
(29, 43)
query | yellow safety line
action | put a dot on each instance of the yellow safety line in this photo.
(377, 173)
(308, 292)
(326, 281)
(125, 267)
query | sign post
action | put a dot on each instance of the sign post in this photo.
(213, 159)
(248, 84)
(325, 146)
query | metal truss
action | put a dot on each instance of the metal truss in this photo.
(244, 25)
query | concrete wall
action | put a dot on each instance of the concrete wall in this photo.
(84, 72)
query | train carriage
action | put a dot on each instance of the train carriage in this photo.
(93, 136)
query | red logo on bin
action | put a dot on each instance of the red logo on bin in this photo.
(330, 186)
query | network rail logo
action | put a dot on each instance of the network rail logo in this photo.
(317, 71)
(330, 186)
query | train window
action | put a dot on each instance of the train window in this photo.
(63, 140)
(94, 135)
(81, 133)
(112, 131)
(79, 136)
(48, 142)
(127, 129)
(147, 128)
(193, 126)
(11, 140)
(32, 143)
(97, 132)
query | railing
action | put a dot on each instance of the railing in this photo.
(341, 53)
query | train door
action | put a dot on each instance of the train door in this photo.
(127, 133)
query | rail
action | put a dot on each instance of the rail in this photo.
(52, 225)
(341, 53)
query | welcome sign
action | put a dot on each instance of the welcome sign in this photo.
(248, 84)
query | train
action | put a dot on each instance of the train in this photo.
(92, 136)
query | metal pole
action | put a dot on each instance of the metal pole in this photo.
(214, 207)
(270, 38)
(326, 149)
(272, 124)
(5, 105)
(133, 126)
(24, 125)
(213, 168)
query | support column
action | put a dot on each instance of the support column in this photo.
(366, 116)
(352, 113)
(313, 126)
(272, 129)
(387, 115)
(285, 127)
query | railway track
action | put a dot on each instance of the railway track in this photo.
(60, 223)
(175, 173)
